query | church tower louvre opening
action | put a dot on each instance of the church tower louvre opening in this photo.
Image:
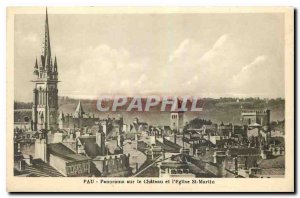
(45, 90)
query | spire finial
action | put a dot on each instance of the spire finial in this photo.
(55, 61)
(36, 63)
(35, 71)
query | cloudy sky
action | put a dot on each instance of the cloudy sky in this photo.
(208, 55)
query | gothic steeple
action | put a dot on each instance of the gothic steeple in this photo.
(45, 90)
(79, 112)
(47, 47)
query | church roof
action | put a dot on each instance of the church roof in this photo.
(79, 112)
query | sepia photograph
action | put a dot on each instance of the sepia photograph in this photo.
(150, 99)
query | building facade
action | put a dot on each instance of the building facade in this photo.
(80, 119)
(261, 117)
(177, 120)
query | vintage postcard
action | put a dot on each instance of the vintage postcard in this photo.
(157, 99)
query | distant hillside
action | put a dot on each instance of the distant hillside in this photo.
(217, 110)
(22, 105)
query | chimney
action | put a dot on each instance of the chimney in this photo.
(30, 159)
(41, 148)
(175, 138)
(236, 168)
(100, 141)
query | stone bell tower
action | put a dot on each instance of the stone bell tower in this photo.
(45, 92)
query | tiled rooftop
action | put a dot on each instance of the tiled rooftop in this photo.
(63, 151)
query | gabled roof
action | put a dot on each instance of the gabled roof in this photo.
(134, 128)
(79, 111)
(64, 152)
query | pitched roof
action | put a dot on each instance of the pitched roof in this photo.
(91, 148)
(174, 164)
(134, 128)
(278, 162)
(40, 169)
(168, 146)
(273, 171)
(79, 110)
(87, 139)
(244, 151)
(64, 152)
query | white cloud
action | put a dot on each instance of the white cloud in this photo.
(180, 51)
(189, 70)
(216, 48)
(220, 71)
(256, 61)
(214, 57)
(259, 77)
(106, 70)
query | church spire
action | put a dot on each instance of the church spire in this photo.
(47, 47)
(45, 89)
(36, 72)
(79, 112)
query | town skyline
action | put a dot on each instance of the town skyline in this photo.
(171, 96)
